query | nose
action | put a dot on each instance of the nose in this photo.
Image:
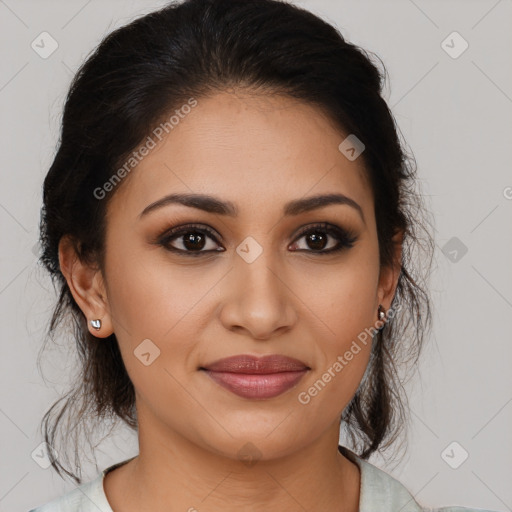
(258, 298)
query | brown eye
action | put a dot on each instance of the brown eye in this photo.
(196, 240)
(317, 238)
(190, 240)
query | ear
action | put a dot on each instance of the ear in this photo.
(389, 274)
(87, 287)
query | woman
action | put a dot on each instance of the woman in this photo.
(230, 217)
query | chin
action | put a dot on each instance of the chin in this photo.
(254, 442)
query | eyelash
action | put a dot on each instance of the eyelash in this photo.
(346, 238)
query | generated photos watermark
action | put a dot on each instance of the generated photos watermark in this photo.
(304, 397)
(150, 143)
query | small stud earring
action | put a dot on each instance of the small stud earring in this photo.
(96, 324)
(382, 316)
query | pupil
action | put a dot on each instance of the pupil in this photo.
(190, 241)
(317, 238)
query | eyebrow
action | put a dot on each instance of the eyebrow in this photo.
(212, 204)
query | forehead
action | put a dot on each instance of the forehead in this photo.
(253, 150)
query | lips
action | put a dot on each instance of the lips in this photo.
(256, 377)
(246, 363)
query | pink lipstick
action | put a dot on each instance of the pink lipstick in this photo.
(256, 377)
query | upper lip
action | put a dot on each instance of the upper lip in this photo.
(247, 363)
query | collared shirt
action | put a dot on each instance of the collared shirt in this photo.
(379, 492)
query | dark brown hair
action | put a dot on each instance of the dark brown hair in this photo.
(146, 69)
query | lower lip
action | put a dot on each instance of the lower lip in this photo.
(266, 385)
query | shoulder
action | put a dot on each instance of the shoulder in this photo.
(381, 492)
(87, 497)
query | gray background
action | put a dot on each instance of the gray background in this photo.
(455, 114)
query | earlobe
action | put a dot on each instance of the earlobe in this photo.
(87, 287)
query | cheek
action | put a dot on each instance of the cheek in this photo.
(157, 310)
(340, 308)
(153, 318)
(150, 296)
(340, 296)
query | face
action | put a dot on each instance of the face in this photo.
(184, 287)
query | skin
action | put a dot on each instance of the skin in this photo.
(258, 152)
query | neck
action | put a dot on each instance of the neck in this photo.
(173, 471)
